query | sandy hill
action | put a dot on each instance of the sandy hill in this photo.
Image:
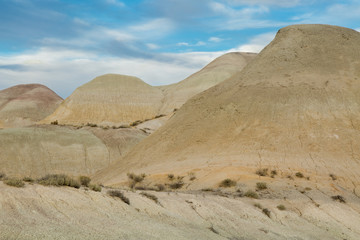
(223, 67)
(294, 108)
(110, 99)
(26, 104)
(39, 150)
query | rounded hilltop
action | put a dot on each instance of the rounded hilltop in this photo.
(25, 104)
(295, 108)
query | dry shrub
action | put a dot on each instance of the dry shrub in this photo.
(266, 212)
(84, 180)
(14, 182)
(150, 196)
(59, 180)
(118, 194)
(261, 186)
(95, 187)
(227, 183)
(251, 194)
(281, 207)
(262, 172)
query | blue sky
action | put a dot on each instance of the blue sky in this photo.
(64, 44)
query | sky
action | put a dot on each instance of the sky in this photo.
(66, 43)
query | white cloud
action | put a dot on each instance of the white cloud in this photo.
(257, 43)
(183, 44)
(155, 27)
(358, 29)
(116, 3)
(280, 3)
(65, 70)
(215, 39)
(152, 46)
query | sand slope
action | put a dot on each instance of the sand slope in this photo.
(26, 104)
(39, 150)
(295, 107)
(223, 67)
(37, 212)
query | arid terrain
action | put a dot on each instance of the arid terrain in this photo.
(252, 146)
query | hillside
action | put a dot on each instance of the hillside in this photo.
(294, 108)
(223, 67)
(25, 104)
(110, 99)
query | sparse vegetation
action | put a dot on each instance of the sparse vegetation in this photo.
(261, 186)
(339, 198)
(28, 179)
(227, 183)
(258, 205)
(192, 176)
(170, 176)
(118, 194)
(333, 176)
(160, 115)
(137, 122)
(273, 173)
(150, 196)
(251, 194)
(95, 187)
(2, 175)
(58, 180)
(281, 207)
(207, 190)
(176, 185)
(84, 180)
(124, 126)
(14, 182)
(91, 125)
(299, 175)
(266, 212)
(54, 122)
(134, 179)
(262, 172)
(160, 187)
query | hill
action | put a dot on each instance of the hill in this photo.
(293, 109)
(110, 99)
(25, 104)
(223, 67)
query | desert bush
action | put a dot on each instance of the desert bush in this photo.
(333, 176)
(55, 122)
(192, 176)
(124, 126)
(118, 194)
(273, 173)
(299, 175)
(95, 187)
(2, 175)
(281, 207)
(28, 179)
(160, 187)
(170, 176)
(150, 196)
(160, 115)
(134, 179)
(137, 122)
(266, 212)
(59, 180)
(14, 182)
(91, 125)
(261, 186)
(251, 194)
(339, 198)
(84, 180)
(227, 183)
(207, 190)
(258, 205)
(176, 185)
(262, 172)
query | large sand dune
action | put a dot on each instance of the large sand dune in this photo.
(295, 107)
(26, 104)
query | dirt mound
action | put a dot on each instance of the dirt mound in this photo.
(294, 108)
(223, 67)
(26, 104)
(37, 151)
(110, 99)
